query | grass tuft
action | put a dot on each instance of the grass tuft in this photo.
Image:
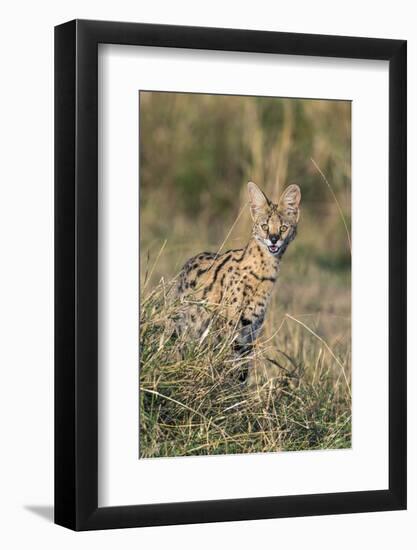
(297, 396)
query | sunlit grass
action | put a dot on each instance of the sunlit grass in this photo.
(297, 396)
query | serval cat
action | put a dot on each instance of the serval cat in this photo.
(240, 281)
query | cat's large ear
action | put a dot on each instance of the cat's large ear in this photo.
(257, 200)
(289, 202)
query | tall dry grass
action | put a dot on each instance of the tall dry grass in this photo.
(197, 152)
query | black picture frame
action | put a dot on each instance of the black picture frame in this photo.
(76, 272)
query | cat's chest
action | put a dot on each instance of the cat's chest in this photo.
(251, 286)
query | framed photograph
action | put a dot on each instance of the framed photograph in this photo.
(230, 253)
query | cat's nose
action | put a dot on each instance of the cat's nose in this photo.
(273, 238)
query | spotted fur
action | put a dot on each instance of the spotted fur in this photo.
(240, 281)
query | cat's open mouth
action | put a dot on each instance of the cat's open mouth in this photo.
(273, 248)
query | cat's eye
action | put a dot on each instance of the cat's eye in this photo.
(264, 226)
(283, 228)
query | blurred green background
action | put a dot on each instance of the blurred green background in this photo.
(198, 151)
